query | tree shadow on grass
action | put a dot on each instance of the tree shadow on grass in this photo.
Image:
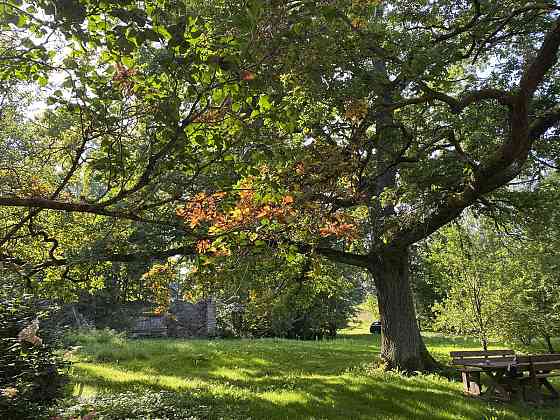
(273, 379)
(261, 356)
(337, 397)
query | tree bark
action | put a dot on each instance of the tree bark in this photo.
(402, 346)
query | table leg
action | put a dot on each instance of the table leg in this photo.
(532, 389)
(550, 388)
(497, 388)
(471, 382)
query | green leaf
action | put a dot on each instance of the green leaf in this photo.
(43, 81)
(21, 20)
(264, 103)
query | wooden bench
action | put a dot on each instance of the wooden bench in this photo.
(541, 367)
(509, 376)
(471, 374)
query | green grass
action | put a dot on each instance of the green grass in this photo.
(284, 379)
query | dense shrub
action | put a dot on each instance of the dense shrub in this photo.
(32, 374)
(92, 337)
(313, 314)
(101, 310)
(308, 310)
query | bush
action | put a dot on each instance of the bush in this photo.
(31, 372)
(93, 337)
(311, 314)
(309, 310)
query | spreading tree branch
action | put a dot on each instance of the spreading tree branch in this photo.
(81, 207)
(506, 163)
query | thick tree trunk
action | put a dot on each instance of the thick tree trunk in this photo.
(402, 346)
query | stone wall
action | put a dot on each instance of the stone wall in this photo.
(187, 319)
(211, 318)
(183, 319)
(149, 326)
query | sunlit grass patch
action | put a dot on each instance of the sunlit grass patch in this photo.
(284, 379)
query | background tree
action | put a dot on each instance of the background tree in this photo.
(497, 275)
(260, 294)
(477, 288)
(535, 249)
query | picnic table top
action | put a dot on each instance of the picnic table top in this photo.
(493, 364)
(498, 364)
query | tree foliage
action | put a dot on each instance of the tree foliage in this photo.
(32, 374)
(500, 280)
(345, 129)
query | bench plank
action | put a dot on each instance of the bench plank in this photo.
(545, 357)
(481, 353)
(546, 365)
(546, 375)
(483, 359)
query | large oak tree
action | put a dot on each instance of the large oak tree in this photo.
(346, 129)
(394, 117)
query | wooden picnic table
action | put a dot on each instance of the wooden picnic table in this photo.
(508, 375)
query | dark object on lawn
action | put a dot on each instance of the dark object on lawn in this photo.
(375, 327)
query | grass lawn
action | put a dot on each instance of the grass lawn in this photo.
(283, 379)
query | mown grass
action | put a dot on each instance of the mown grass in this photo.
(284, 379)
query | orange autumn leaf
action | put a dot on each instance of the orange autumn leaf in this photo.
(339, 229)
(355, 110)
(202, 246)
(325, 231)
(288, 199)
(358, 23)
(221, 252)
(245, 214)
(202, 208)
(247, 75)
(264, 212)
